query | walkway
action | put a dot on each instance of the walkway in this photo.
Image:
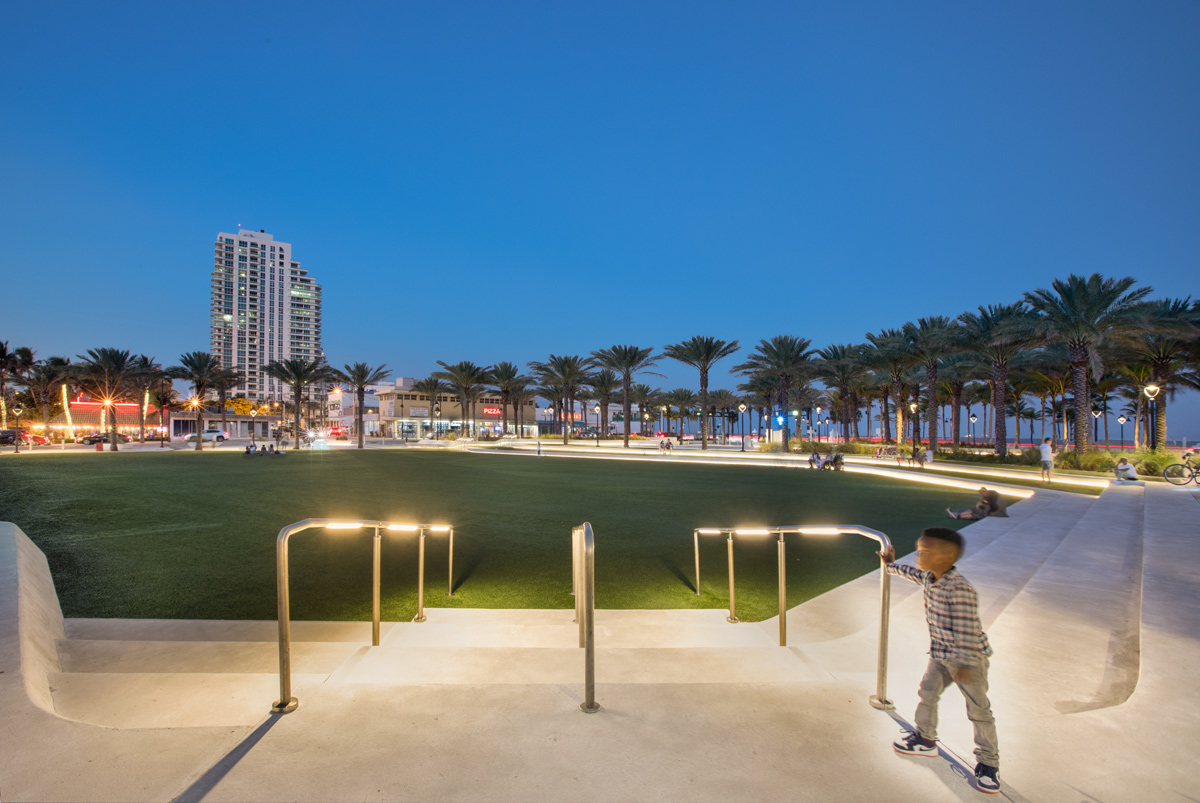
(1091, 605)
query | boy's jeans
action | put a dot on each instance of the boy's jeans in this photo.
(979, 710)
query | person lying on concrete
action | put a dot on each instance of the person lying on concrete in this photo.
(990, 504)
(958, 652)
(1124, 470)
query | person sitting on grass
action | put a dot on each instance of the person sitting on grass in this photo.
(814, 460)
(958, 653)
(990, 504)
(1124, 470)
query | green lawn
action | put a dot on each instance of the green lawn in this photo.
(185, 535)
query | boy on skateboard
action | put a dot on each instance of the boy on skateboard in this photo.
(958, 651)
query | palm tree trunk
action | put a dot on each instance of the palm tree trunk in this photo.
(885, 420)
(1160, 419)
(299, 391)
(898, 395)
(1079, 389)
(704, 408)
(931, 375)
(956, 415)
(361, 394)
(199, 427)
(626, 404)
(999, 383)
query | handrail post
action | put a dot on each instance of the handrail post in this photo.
(782, 592)
(880, 699)
(286, 702)
(696, 551)
(589, 704)
(375, 572)
(420, 617)
(450, 581)
(732, 618)
(577, 571)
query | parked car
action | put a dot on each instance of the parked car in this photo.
(7, 437)
(103, 437)
(35, 440)
(217, 435)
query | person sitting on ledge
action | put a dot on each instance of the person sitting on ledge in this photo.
(1124, 470)
(990, 504)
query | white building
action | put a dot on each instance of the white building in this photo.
(264, 308)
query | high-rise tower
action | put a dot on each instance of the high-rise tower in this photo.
(264, 308)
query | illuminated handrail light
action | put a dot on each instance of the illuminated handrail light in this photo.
(441, 528)
(820, 531)
(402, 528)
(709, 531)
(753, 532)
(343, 525)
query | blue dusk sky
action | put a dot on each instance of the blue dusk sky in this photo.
(499, 181)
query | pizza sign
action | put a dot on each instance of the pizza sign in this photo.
(491, 411)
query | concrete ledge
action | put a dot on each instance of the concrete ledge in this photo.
(29, 612)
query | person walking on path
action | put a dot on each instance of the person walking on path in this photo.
(958, 652)
(1047, 458)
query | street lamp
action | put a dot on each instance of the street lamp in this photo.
(974, 418)
(1151, 392)
(817, 421)
(742, 421)
(1121, 420)
(1095, 426)
(253, 414)
(437, 425)
(828, 431)
(596, 410)
(17, 410)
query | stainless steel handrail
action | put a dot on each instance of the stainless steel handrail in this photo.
(584, 553)
(879, 699)
(286, 702)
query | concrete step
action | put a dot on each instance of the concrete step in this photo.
(203, 657)
(392, 666)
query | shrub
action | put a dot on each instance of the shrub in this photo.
(1151, 464)
(1090, 460)
(770, 447)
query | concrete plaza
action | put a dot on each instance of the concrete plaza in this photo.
(1090, 603)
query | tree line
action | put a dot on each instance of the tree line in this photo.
(1077, 346)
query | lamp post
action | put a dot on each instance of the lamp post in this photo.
(17, 410)
(1151, 392)
(742, 421)
(253, 415)
(1095, 426)
(817, 421)
(645, 422)
(667, 420)
(437, 422)
(828, 431)
(596, 410)
(916, 427)
(973, 419)
(1121, 420)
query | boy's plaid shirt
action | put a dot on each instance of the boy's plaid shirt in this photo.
(952, 610)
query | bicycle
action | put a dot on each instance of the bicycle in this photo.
(1183, 473)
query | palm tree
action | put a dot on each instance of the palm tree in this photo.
(701, 352)
(891, 353)
(562, 377)
(43, 381)
(106, 374)
(506, 377)
(760, 392)
(931, 339)
(626, 361)
(468, 379)
(13, 364)
(997, 333)
(520, 395)
(785, 358)
(684, 399)
(645, 397)
(144, 376)
(1173, 328)
(299, 373)
(722, 402)
(603, 383)
(358, 377)
(199, 368)
(843, 366)
(222, 382)
(433, 388)
(1085, 314)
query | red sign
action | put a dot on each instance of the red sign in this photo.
(491, 411)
